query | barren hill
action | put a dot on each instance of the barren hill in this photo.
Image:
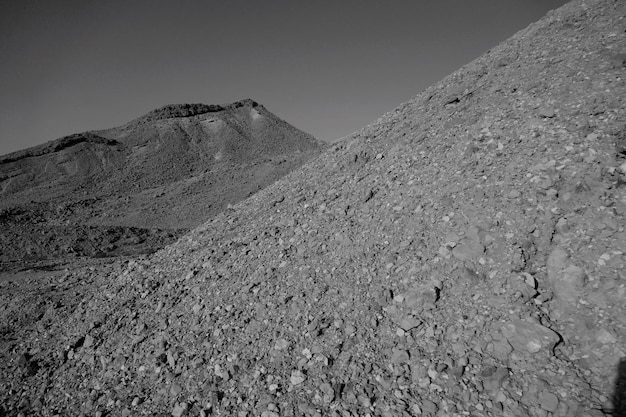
(462, 256)
(171, 169)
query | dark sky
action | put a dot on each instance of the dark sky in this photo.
(327, 67)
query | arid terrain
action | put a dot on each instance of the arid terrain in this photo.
(464, 255)
(133, 189)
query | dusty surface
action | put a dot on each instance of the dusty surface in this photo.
(462, 256)
(135, 188)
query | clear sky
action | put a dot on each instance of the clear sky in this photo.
(327, 67)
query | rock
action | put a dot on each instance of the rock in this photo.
(88, 342)
(568, 284)
(399, 356)
(549, 401)
(468, 250)
(494, 377)
(567, 281)
(409, 322)
(530, 280)
(530, 337)
(175, 389)
(605, 337)
(556, 261)
(328, 391)
(297, 377)
(424, 297)
(281, 344)
(179, 410)
(429, 406)
(546, 112)
(451, 239)
(501, 349)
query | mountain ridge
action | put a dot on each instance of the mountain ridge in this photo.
(169, 169)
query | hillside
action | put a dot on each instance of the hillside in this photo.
(170, 170)
(461, 256)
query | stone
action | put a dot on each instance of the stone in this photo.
(605, 337)
(429, 406)
(451, 239)
(546, 112)
(297, 377)
(494, 379)
(468, 250)
(556, 261)
(409, 322)
(566, 280)
(88, 342)
(400, 356)
(568, 284)
(530, 337)
(424, 297)
(549, 401)
(281, 344)
(179, 410)
(530, 280)
(175, 389)
(328, 391)
(501, 349)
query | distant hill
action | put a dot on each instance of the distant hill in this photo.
(172, 168)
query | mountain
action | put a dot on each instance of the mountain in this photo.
(170, 169)
(463, 255)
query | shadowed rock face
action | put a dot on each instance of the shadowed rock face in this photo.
(420, 267)
(169, 169)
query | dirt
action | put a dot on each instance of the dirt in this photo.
(462, 256)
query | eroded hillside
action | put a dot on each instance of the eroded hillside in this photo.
(163, 173)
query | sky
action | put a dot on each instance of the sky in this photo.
(327, 67)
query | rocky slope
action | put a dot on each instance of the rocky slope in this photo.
(462, 256)
(170, 169)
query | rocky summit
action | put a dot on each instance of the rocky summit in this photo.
(134, 188)
(464, 255)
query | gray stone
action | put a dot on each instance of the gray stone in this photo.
(531, 337)
(549, 401)
(400, 356)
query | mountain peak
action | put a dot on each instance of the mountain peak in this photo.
(171, 111)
